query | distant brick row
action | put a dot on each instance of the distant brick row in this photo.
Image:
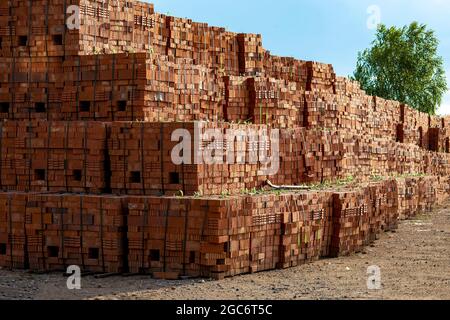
(137, 158)
(142, 86)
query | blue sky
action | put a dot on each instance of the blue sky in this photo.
(331, 31)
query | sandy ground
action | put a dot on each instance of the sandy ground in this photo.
(414, 262)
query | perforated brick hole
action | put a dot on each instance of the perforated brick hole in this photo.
(53, 251)
(122, 105)
(135, 177)
(154, 255)
(58, 39)
(77, 175)
(2, 249)
(174, 178)
(23, 41)
(85, 106)
(192, 257)
(4, 107)
(40, 107)
(39, 174)
(93, 253)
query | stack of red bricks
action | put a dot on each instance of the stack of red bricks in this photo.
(265, 232)
(307, 228)
(213, 47)
(211, 237)
(162, 239)
(187, 237)
(105, 87)
(142, 158)
(199, 93)
(442, 189)
(53, 156)
(348, 87)
(181, 37)
(427, 193)
(125, 26)
(83, 230)
(276, 102)
(384, 206)
(237, 99)
(37, 28)
(408, 191)
(324, 150)
(421, 194)
(200, 43)
(13, 240)
(384, 119)
(114, 26)
(330, 111)
(286, 68)
(141, 162)
(251, 54)
(31, 88)
(223, 51)
(351, 222)
(129, 87)
(321, 77)
(34, 160)
(127, 63)
(179, 91)
(415, 127)
(232, 236)
(360, 215)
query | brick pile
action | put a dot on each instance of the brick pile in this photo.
(104, 87)
(415, 127)
(114, 26)
(88, 231)
(45, 156)
(244, 234)
(251, 54)
(360, 215)
(408, 197)
(384, 206)
(163, 237)
(33, 160)
(237, 99)
(351, 222)
(286, 68)
(307, 228)
(384, 119)
(210, 46)
(213, 237)
(321, 77)
(141, 159)
(37, 28)
(141, 162)
(275, 101)
(161, 73)
(427, 193)
(30, 88)
(13, 242)
(129, 26)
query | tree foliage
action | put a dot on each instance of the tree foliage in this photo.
(403, 64)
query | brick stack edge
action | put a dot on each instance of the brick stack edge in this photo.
(85, 145)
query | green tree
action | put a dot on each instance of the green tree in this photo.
(403, 64)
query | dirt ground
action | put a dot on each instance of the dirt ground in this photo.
(414, 262)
